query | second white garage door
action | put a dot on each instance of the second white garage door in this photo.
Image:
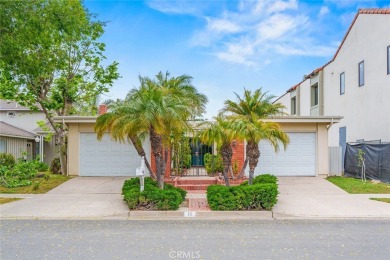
(299, 159)
(107, 157)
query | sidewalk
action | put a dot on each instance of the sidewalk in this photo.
(100, 198)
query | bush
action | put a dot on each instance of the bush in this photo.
(265, 178)
(152, 198)
(41, 166)
(213, 163)
(244, 197)
(55, 166)
(19, 175)
(7, 160)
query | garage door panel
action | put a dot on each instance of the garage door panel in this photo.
(107, 157)
(299, 159)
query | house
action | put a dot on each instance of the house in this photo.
(20, 134)
(306, 155)
(354, 84)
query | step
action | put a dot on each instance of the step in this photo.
(193, 187)
(196, 181)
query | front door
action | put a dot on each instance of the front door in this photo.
(198, 150)
(29, 151)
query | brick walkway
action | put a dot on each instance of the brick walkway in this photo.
(198, 204)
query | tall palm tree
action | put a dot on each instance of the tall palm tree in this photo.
(222, 134)
(247, 115)
(159, 107)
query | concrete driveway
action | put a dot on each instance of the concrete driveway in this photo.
(315, 197)
(82, 197)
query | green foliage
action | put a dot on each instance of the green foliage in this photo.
(360, 157)
(181, 153)
(41, 166)
(356, 186)
(7, 159)
(235, 167)
(55, 166)
(213, 163)
(20, 174)
(244, 197)
(152, 198)
(265, 178)
(36, 185)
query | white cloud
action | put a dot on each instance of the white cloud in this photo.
(175, 6)
(323, 11)
(222, 25)
(254, 31)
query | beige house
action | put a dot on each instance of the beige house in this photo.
(306, 155)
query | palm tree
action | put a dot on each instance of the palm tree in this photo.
(221, 133)
(158, 108)
(247, 115)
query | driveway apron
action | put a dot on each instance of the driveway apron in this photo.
(81, 197)
(315, 197)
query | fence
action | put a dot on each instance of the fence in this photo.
(376, 157)
(335, 161)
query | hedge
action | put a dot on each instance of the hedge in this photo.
(152, 198)
(262, 194)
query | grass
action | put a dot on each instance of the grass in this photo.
(44, 185)
(8, 200)
(387, 200)
(357, 186)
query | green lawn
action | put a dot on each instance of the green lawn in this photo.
(44, 186)
(356, 186)
(8, 200)
(387, 200)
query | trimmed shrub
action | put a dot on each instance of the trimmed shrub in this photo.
(152, 198)
(265, 178)
(244, 197)
(7, 159)
(55, 166)
(213, 163)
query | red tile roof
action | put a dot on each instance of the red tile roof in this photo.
(361, 11)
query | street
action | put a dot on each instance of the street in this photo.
(195, 239)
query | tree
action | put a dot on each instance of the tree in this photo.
(51, 59)
(222, 133)
(160, 108)
(247, 116)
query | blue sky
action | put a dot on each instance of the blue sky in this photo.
(224, 45)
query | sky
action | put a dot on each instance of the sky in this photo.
(225, 46)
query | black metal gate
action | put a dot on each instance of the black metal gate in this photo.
(198, 150)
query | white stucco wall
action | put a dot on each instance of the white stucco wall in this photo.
(285, 101)
(23, 119)
(366, 109)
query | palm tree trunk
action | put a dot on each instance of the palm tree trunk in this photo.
(227, 153)
(156, 143)
(242, 172)
(253, 154)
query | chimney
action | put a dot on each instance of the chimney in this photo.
(102, 109)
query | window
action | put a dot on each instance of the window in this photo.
(294, 106)
(388, 60)
(361, 73)
(314, 95)
(342, 83)
(3, 148)
(11, 114)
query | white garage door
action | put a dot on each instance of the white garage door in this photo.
(299, 159)
(107, 157)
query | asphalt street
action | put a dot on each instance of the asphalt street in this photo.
(195, 239)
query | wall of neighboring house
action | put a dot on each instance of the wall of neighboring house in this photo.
(285, 101)
(23, 119)
(16, 146)
(365, 108)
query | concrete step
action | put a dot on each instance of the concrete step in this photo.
(196, 182)
(193, 187)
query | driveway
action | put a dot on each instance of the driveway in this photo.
(315, 197)
(82, 197)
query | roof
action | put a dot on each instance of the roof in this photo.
(277, 119)
(13, 131)
(48, 129)
(8, 105)
(360, 11)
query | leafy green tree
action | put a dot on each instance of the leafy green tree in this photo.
(247, 116)
(51, 59)
(159, 108)
(222, 134)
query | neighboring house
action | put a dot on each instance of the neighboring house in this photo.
(306, 155)
(20, 134)
(355, 84)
